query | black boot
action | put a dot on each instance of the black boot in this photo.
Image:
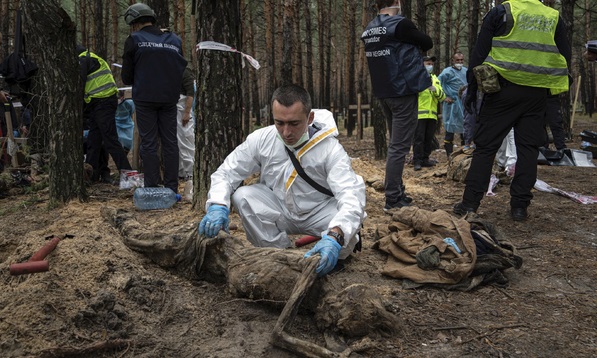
(449, 147)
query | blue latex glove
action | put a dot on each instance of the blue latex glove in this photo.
(215, 220)
(329, 249)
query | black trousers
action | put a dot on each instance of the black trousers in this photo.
(518, 107)
(553, 117)
(157, 121)
(423, 140)
(103, 136)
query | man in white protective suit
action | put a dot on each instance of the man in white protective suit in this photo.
(283, 203)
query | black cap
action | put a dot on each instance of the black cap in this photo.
(592, 46)
(429, 58)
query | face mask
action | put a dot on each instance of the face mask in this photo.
(429, 68)
(394, 7)
(301, 141)
(458, 66)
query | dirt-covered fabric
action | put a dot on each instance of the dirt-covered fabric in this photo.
(459, 163)
(425, 229)
(357, 311)
(423, 249)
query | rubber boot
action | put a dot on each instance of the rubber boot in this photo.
(449, 147)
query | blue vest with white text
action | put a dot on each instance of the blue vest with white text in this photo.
(396, 68)
(158, 67)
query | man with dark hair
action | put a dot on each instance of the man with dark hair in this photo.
(153, 63)
(525, 43)
(99, 111)
(331, 205)
(393, 48)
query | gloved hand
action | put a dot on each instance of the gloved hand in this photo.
(215, 220)
(329, 249)
(431, 88)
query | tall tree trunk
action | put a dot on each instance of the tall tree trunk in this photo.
(246, 89)
(448, 32)
(60, 91)
(253, 78)
(99, 35)
(473, 23)
(421, 16)
(458, 26)
(288, 50)
(4, 28)
(83, 22)
(194, 34)
(437, 49)
(180, 24)
(297, 66)
(328, 60)
(588, 79)
(162, 12)
(349, 69)
(321, 40)
(115, 16)
(308, 50)
(362, 79)
(377, 115)
(567, 15)
(219, 99)
(406, 9)
(270, 68)
(279, 13)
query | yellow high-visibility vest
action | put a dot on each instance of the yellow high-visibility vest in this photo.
(428, 100)
(99, 84)
(528, 55)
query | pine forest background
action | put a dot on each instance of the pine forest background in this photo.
(313, 43)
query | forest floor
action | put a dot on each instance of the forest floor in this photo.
(102, 299)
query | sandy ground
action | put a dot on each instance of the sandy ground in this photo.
(101, 299)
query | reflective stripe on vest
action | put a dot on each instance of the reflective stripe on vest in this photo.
(433, 113)
(528, 55)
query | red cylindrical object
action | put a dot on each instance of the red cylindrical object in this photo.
(29, 267)
(45, 250)
(305, 240)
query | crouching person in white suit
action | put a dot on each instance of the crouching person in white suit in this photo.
(283, 202)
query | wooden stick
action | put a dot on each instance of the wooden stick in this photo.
(574, 104)
(284, 340)
(302, 286)
(88, 350)
(11, 137)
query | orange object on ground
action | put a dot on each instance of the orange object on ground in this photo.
(305, 240)
(29, 267)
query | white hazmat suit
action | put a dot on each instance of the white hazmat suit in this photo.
(282, 203)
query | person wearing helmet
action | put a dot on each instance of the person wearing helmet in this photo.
(153, 64)
(591, 53)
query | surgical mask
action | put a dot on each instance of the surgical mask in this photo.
(429, 68)
(458, 66)
(301, 141)
(394, 7)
